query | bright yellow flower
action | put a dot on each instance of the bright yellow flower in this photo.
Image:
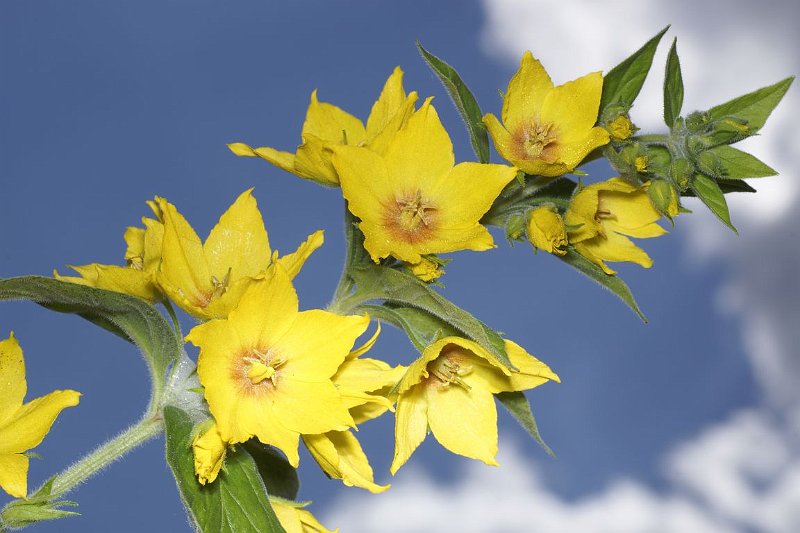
(326, 126)
(207, 279)
(143, 257)
(601, 215)
(546, 230)
(22, 427)
(209, 454)
(450, 390)
(267, 368)
(363, 384)
(412, 201)
(295, 519)
(547, 130)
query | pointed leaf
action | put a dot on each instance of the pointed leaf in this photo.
(741, 165)
(383, 283)
(421, 327)
(517, 404)
(464, 101)
(128, 317)
(754, 107)
(622, 83)
(673, 86)
(612, 283)
(726, 186)
(236, 502)
(710, 194)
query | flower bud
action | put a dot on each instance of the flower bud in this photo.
(546, 230)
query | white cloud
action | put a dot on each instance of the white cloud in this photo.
(739, 475)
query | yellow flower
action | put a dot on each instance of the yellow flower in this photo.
(547, 130)
(412, 201)
(209, 454)
(620, 128)
(450, 390)
(207, 279)
(326, 126)
(363, 384)
(22, 427)
(295, 519)
(427, 270)
(143, 257)
(603, 214)
(546, 230)
(267, 368)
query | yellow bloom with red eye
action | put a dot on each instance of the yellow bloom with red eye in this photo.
(450, 390)
(266, 369)
(207, 279)
(23, 426)
(326, 126)
(364, 384)
(602, 214)
(143, 257)
(547, 130)
(412, 200)
(295, 519)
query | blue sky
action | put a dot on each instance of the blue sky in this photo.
(673, 426)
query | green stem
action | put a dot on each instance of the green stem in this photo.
(141, 432)
(354, 254)
(175, 322)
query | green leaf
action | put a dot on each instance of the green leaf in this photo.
(612, 283)
(622, 83)
(23, 513)
(753, 108)
(421, 327)
(707, 190)
(278, 475)
(517, 404)
(673, 86)
(726, 186)
(128, 317)
(741, 165)
(236, 502)
(464, 101)
(383, 283)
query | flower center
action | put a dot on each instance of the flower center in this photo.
(263, 366)
(413, 212)
(449, 371)
(536, 141)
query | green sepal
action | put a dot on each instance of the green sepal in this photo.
(752, 110)
(37, 507)
(739, 165)
(707, 190)
(595, 273)
(278, 475)
(622, 83)
(126, 316)
(377, 282)
(673, 86)
(464, 100)
(236, 502)
(661, 193)
(517, 404)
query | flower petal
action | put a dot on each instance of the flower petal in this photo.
(28, 426)
(526, 92)
(309, 407)
(383, 139)
(14, 474)
(340, 456)
(411, 425)
(238, 245)
(468, 192)
(391, 99)
(294, 261)
(464, 422)
(12, 378)
(331, 124)
(313, 161)
(573, 153)
(573, 107)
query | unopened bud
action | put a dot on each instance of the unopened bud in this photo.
(663, 197)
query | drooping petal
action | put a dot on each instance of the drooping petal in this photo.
(309, 407)
(530, 372)
(282, 160)
(238, 245)
(573, 107)
(14, 474)
(364, 348)
(126, 280)
(464, 422)
(313, 161)
(331, 124)
(340, 456)
(294, 261)
(432, 159)
(526, 92)
(411, 425)
(294, 519)
(318, 342)
(28, 426)
(12, 378)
